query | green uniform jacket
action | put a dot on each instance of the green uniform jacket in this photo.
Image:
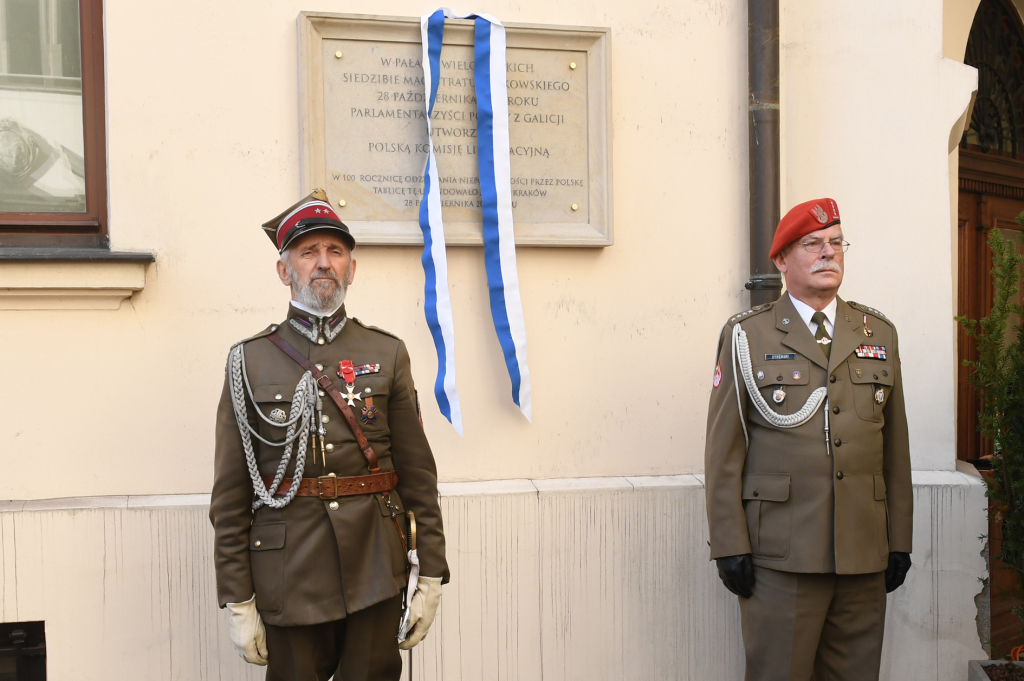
(308, 563)
(795, 503)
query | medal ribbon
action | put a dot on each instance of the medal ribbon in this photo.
(347, 371)
(496, 198)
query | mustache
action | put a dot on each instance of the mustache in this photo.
(322, 273)
(829, 264)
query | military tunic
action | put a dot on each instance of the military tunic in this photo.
(316, 560)
(797, 502)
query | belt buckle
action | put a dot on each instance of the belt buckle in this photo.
(334, 486)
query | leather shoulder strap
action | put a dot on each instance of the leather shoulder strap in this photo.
(328, 387)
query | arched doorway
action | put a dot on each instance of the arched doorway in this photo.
(991, 196)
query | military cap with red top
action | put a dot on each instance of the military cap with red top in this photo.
(801, 220)
(311, 213)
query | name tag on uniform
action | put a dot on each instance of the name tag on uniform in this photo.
(788, 355)
(871, 351)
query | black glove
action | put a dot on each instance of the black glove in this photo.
(899, 566)
(737, 573)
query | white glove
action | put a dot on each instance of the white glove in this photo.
(247, 632)
(422, 611)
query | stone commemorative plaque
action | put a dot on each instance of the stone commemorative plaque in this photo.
(365, 130)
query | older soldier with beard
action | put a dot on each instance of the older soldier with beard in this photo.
(807, 460)
(320, 454)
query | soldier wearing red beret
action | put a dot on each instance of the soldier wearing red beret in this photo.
(807, 461)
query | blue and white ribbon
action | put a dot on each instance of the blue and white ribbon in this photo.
(496, 197)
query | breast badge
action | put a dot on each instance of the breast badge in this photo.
(760, 375)
(797, 375)
(779, 395)
(880, 395)
(278, 415)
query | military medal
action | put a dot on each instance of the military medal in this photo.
(880, 395)
(348, 374)
(779, 395)
(871, 351)
(370, 413)
(760, 375)
(867, 332)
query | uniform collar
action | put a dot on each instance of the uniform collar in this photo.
(316, 328)
(806, 311)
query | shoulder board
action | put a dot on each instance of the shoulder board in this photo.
(374, 328)
(265, 332)
(757, 309)
(869, 310)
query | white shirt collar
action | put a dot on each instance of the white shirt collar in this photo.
(302, 307)
(806, 312)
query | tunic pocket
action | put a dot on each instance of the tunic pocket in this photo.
(769, 514)
(871, 379)
(266, 562)
(787, 377)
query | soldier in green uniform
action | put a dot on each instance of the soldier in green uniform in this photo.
(809, 497)
(320, 454)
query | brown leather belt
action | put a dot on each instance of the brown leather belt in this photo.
(332, 487)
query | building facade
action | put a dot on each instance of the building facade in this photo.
(578, 541)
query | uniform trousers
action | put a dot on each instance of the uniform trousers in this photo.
(361, 647)
(804, 626)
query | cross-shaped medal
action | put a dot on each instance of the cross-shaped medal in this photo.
(352, 394)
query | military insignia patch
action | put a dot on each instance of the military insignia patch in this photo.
(819, 214)
(871, 351)
(717, 380)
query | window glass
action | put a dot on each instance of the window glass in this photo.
(42, 148)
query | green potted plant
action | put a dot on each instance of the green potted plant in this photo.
(998, 376)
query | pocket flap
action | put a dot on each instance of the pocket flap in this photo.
(871, 371)
(766, 486)
(266, 537)
(781, 373)
(273, 392)
(879, 487)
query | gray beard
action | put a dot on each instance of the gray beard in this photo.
(323, 300)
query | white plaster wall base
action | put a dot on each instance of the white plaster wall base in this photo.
(587, 578)
(69, 285)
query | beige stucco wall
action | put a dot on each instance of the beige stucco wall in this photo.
(203, 147)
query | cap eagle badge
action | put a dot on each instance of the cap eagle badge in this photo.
(819, 214)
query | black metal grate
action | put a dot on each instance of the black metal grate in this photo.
(22, 651)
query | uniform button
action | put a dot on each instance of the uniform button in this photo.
(325, 419)
(319, 367)
(839, 475)
(277, 396)
(835, 410)
(320, 342)
(876, 376)
(778, 378)
(329, 447)
(257, 544)
(321, 392)
(333, 505)
(831, 379)
(755, 493)
(837, 442)
(884, 372)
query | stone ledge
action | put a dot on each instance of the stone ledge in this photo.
(100, 282)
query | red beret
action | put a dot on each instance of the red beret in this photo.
(311, 213)
(803, 219)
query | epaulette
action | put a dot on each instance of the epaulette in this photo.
(265, 332)
(870, 310)
(374, 328)
(757, 309)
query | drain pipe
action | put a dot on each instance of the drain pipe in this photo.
(765, 282)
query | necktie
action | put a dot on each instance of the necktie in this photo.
(821, 335)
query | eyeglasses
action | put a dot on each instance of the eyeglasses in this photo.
(818, 245)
